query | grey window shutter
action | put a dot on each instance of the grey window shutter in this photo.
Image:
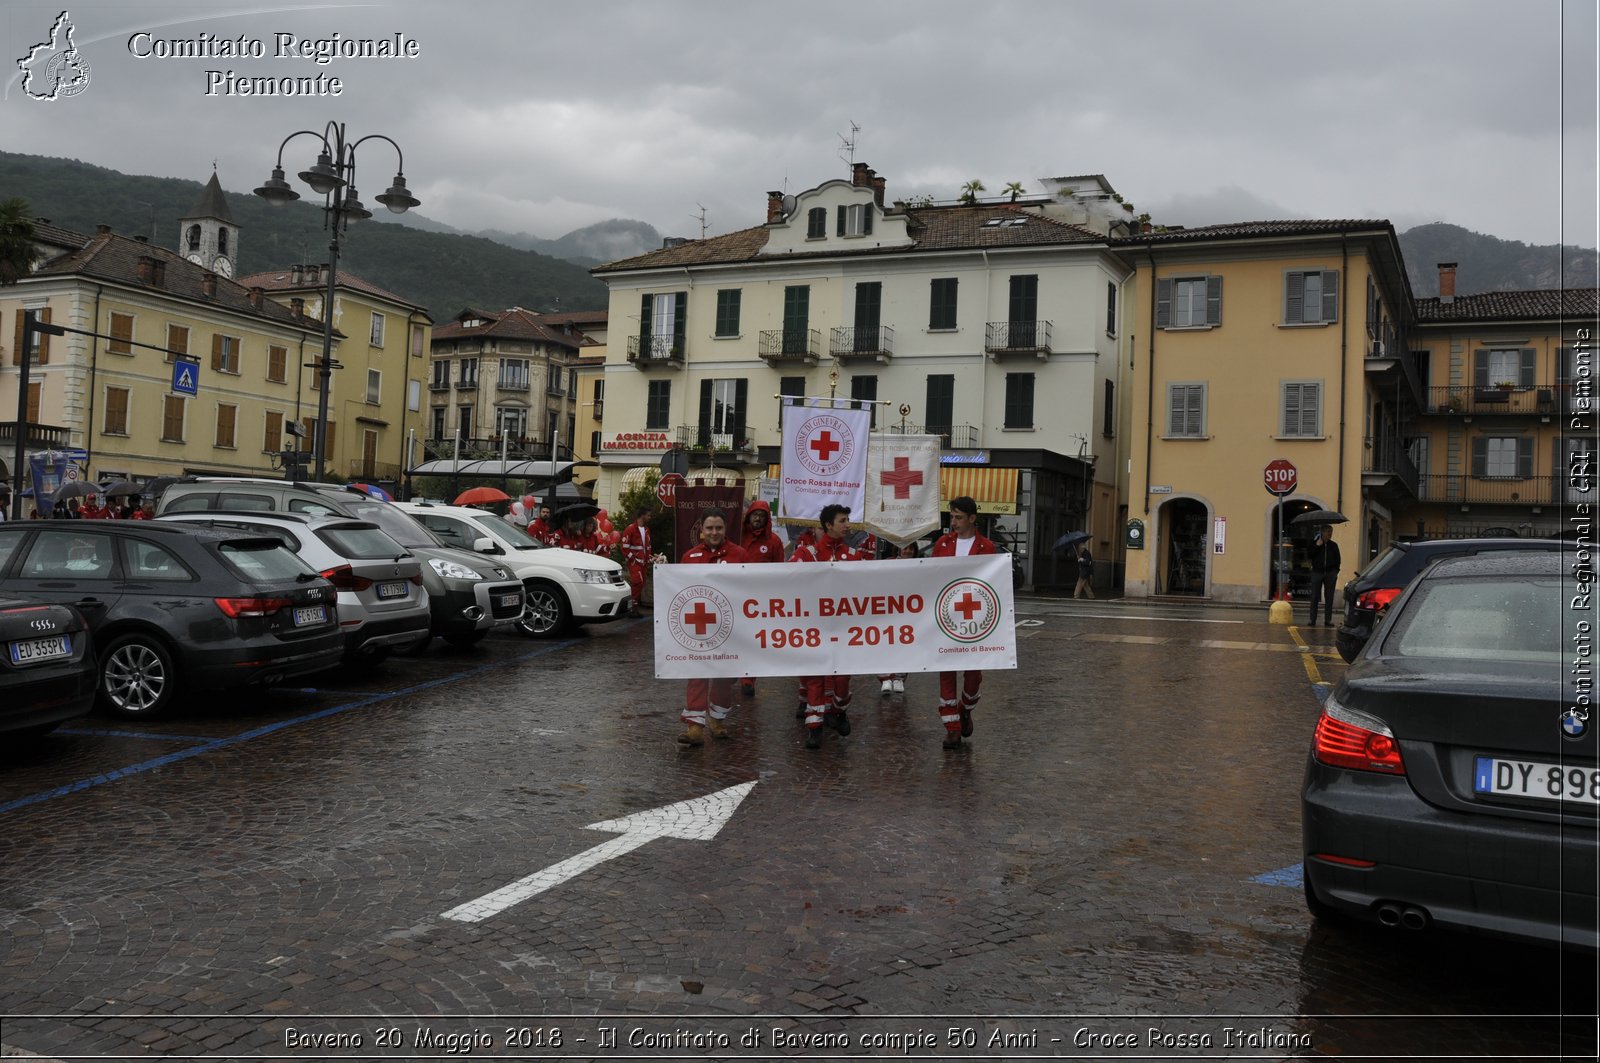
(1294, 297)
(1175, 397)
(843, 210)
(1163, 304)
(1330, 295)
(1213, 300)
(1480, 369)
(1563, 365)
(1310, 409)
(1196, 410)
(1525, 374)
(1525, 458)
(1291, 410)
(1480, 456)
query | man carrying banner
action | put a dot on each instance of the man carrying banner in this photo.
(709, 695)
(760, 544)
(962, 540)
(636, 553)
(828, 697)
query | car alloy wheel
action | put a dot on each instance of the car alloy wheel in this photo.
(137, 677)
(545, 613)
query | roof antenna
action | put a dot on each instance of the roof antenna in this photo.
(702, 217)
(847, 145)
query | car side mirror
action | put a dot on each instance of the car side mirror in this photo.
(484, 545)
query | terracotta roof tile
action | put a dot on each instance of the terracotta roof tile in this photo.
(282, 280)
(516, 323)
(1253, 230)
(1544, 304)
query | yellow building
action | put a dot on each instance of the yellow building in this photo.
(1251, 343)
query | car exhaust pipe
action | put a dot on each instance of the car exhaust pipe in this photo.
(1389, 913)
(473, 613)
(1414, 918)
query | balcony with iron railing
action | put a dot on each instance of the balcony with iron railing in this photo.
(1011, 338)
(438, 385)
(1390, 365)
(791, 346)
(951, 436)
(875, 343)
(512, 383)
(1389, 471)
(477, 448)
(655, 352)
(1504, 400)
(1498, 490)
(467, 384)
(35, 436)
(701, 441)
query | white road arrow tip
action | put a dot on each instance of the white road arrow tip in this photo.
(698, 819)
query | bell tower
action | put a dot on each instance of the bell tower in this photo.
(207, 234)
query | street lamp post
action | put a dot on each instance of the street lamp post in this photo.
(333, 177)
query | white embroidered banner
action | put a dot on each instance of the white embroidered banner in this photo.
(824, 460)
(902, 486)
(930, 614)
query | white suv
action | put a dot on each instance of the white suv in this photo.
(564, 587)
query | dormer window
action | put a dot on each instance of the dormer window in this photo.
(472, 322)
(855, 220)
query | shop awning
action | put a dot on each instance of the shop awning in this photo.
(995, 490)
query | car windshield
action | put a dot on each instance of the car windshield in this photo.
(360, 542)
(1501, 618)
(263, 561)
(509, 532)
(402, 528)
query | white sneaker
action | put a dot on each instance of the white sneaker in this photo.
(899, 686)
(888, 686)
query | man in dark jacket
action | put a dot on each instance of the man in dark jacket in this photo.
(1325, 566)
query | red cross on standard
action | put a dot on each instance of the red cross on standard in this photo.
(700, 618)
(902, 477)
(968, 606)
(825, 445)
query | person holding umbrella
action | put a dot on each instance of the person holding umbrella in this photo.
(1325, 564)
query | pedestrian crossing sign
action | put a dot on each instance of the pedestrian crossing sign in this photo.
(185, 378)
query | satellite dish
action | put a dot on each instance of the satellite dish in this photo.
(789, 203)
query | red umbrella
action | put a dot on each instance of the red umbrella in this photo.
(474, 496)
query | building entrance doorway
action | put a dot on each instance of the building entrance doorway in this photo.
(1297, 538)
(1183, 538)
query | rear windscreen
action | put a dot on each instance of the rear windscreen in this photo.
(361, 543)
(1377, 565)
(1492, 619)
(263, 561)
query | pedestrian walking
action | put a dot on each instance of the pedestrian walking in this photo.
(708, 701)
(636, 554)
(1085, 587)
(895, 682)
(828, 697)
(958, 699)
(1325, 566)
(762, 546)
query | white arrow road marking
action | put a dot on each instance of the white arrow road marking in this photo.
(698, 819)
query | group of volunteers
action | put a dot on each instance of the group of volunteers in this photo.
(578, 533)
(93, 507)
(824, 700)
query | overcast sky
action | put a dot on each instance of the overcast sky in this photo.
(543, 116)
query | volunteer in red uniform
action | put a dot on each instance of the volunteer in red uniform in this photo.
(962, 540)
(709, 696)
(828, 697)
(760, 544)
(93, 510)
(636, 554)
(540, 528)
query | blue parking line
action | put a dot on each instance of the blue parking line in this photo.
(1291, 876)
(208, 746)
(98, 733)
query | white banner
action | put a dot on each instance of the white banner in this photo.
(824, 460)
(902, 486)
(931, 614)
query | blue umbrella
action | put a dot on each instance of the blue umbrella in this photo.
(1072, 539)
(375, 491)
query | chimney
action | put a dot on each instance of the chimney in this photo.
(879, 184)
(1447, 282)
(774, 206)
(860, 175)
(297, 306)
(297, 275)
(141, 239)
(147, 269)
(311, 274)
(208, 284)
(102, 229)
(255, 297)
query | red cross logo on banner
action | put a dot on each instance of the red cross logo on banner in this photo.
(825, 445)
(902, 477)
(700, 618)
(968, 606)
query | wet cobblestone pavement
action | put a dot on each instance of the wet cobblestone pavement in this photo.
(1108, 869)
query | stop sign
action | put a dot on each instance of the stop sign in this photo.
(1280, 476)
(667, 488)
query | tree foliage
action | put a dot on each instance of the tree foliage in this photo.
(16, 240)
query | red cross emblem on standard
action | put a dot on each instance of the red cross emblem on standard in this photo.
(824, 445)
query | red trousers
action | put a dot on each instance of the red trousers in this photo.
(636, 571)
(824, 693)
(949, 707)
(708, 695)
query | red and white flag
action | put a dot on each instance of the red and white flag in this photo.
(902, 486)
(824, 459)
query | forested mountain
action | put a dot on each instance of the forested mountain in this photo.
(443, 272)
(1490, 264)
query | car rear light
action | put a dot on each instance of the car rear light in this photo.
(1377, 600)
(1349, 739)
(416, 577)
(1347, 861)
(344, 578)
(234, 608)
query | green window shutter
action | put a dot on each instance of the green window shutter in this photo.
(1480, 369)
(869, 311)
(866, 220)
(941, 402)
(1330, 295)
(1480, 456)
(741, 403)
(1525, 368)
(842, 211)
(1163, 304)
(646, 305)
(728, 301)
(680, 321)
(1563, 365)
(1213, 300)
(942, 303)
(703, 429)
(1294, 296)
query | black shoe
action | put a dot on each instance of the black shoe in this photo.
(813, 738)
(839, 721)
(1311, 623)
(748, 689)
(966, 723)
(800, 713)
(952, 739)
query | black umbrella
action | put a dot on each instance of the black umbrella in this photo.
(124, 489)
(76, 489)
(1072, 539)
(576, 511)
(153, 488)
(1320, 516)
